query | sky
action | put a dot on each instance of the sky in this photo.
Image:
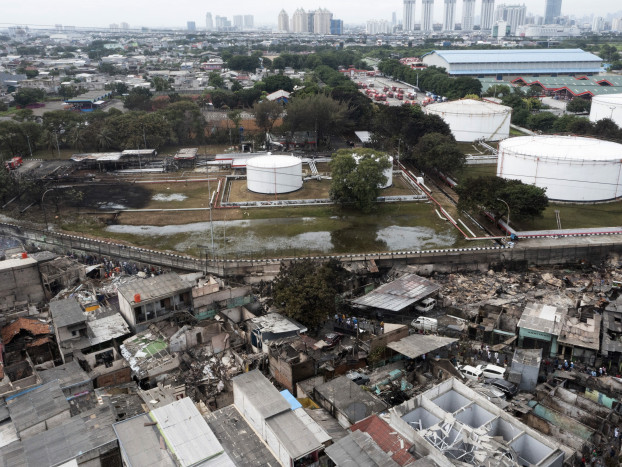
(176, 13)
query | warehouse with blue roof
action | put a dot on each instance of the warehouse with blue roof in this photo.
(515, 62)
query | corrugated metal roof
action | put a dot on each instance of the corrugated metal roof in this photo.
(38, 405)
(359, 449)
(188, 434)
(541, 317)
(386, 438)
(293, 434)
(320, 434)
(397, 295)
(67, 312)
(417, 345)
(517, 55)
(153, 288)
(261, 393)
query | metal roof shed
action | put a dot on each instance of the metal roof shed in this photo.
(417, 345)
(399, 294)
(67, 312)
(358, 448)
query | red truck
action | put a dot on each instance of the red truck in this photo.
(14, 163)
(400, 97)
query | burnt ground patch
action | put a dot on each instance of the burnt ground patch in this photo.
(114, 196)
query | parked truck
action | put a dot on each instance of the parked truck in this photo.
(425, 324)
(14, 163)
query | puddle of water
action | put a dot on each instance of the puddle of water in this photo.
(171, 197)
(109, 205)
(273, 237)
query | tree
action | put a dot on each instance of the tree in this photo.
(160, 84)
(489, 193)
(497, 90)
(578, 105)
(138, 99)
(276, 82)
(542, 121)
(438, 152)
(318, 113)
(26, 96)
(306, 290)
(266, 114)
(214, 79)
(357, 176)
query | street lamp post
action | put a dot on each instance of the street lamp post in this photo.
(508, 206)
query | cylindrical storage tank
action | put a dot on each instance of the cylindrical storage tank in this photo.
(387, 172)
(471, 120)
(274, 174)
(571, 168)
(607, 106)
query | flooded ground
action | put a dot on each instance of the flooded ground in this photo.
(301, 236)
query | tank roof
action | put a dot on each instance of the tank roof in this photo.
(469, 106)
(273, 162)
(563, 147)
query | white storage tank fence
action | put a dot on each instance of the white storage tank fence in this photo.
(571, 168)
(274, 174)
(470, 120)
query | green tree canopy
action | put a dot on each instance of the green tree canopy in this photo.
(358, 182)
(318, 113)
(435, 151)
(266, 114)
(26, 96)
(488, 193)
(138, 99)
(578, 105)
(306, 290)
(274, 83)
(214, 79)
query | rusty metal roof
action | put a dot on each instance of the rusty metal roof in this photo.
(31, 325)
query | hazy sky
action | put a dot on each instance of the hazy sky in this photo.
(177, 12)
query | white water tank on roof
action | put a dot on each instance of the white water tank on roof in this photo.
(607, 106)
(571, 168)
(471, 120)
(274, 174)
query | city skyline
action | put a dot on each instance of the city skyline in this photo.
(157, 14)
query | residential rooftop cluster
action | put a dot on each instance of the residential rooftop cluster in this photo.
(107, 361)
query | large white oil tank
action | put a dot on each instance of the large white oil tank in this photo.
(607, 106)
(387, 172)
(274, 174)
(471, 120)
(571, 168)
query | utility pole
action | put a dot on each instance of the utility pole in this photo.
(508, 206)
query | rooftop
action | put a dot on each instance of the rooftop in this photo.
(276, 323)
(16, 263)
(581, 331)
(154, 288)
(37, 405)
(398, 294)
(416, 345)
(238, 439)
(67, 312)
(543, 318)
(517, 55)
(349, 398)
(106, 328)
(297, 439)
(258, 390)
(563, 147)
(386, 438)
(358, 448)
(67, 375)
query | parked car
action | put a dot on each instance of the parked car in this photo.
(470, 372)
(332, 340)
(509, 389)
(425, 305)
(492, 371)
(422, 323)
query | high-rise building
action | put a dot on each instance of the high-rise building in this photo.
(616, 24)
(209, 22)
(487, 15)
(552, 10)
(283, 21)
(427, 9)
(125, 26)
(598, 24)
(449, 15)
(513, 15)
(394, 19)
(191, 26)
(468, 15)
(238, 22)
(321, 21)
(300, 21)
(336, 27)
(409, 15)
(378, 27)
(249, 21)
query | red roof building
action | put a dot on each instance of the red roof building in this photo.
(386, 438)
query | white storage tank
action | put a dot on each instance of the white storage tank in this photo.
(571, 168)
(471, 120)
(274, 174)
(387, 172)
(607, 106)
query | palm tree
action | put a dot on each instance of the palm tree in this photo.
(104, 139)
